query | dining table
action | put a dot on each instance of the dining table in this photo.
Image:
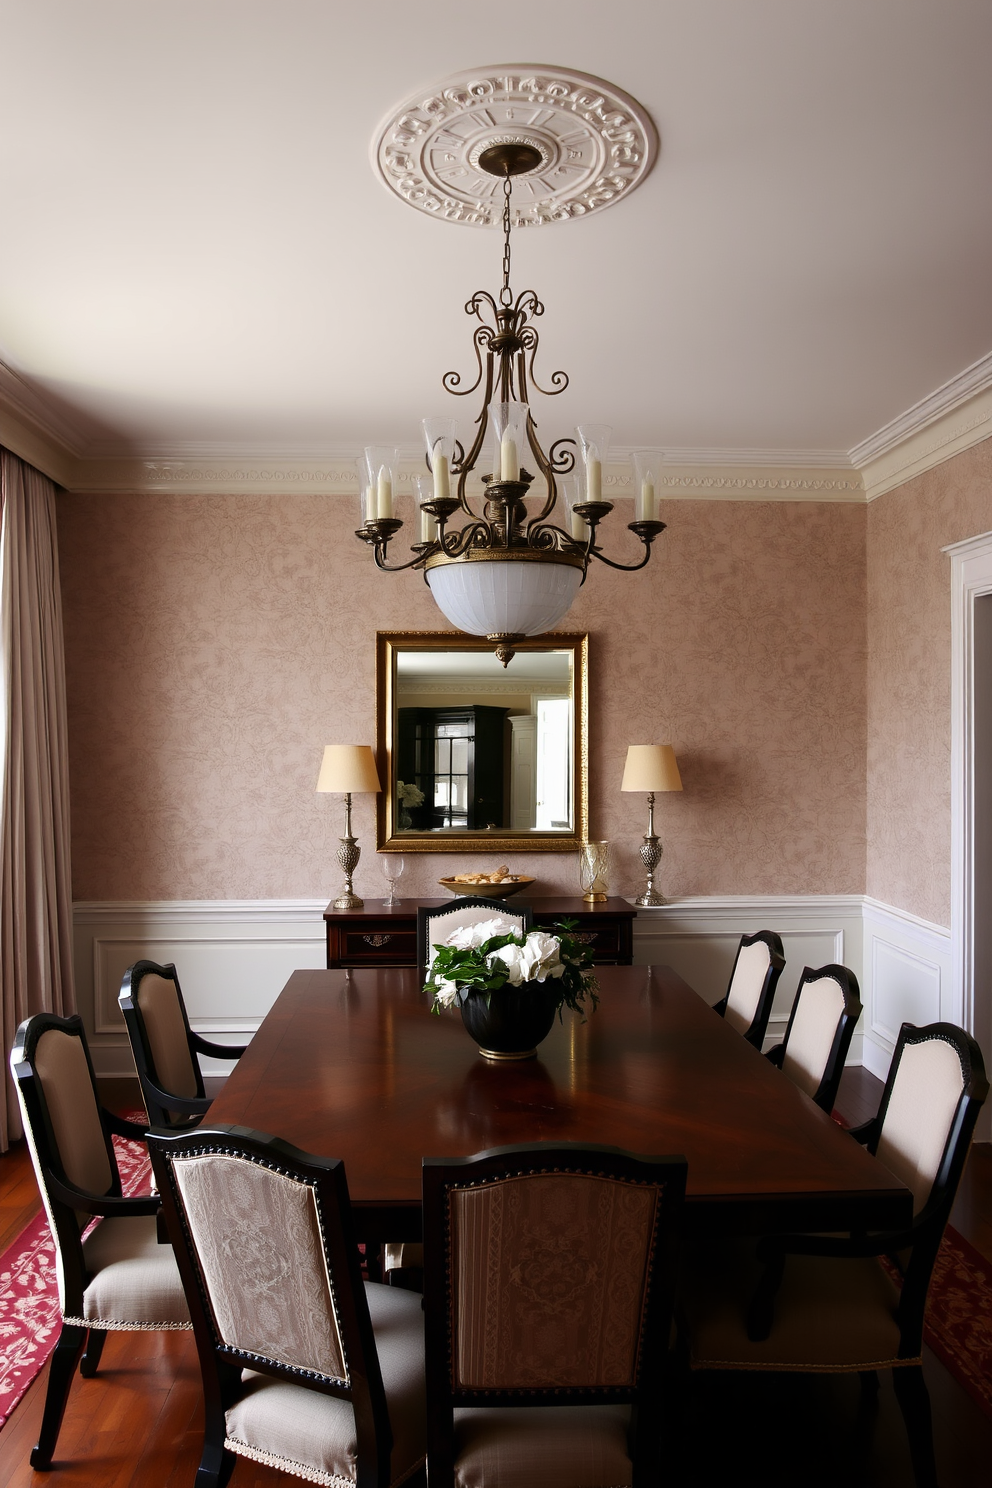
(354, 1065)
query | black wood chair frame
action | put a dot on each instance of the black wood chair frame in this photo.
(76, 1344)
(160, 1103)
(825, 1094)
(755, 1033)
(221, 1364)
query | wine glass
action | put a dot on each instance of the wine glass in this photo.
(391, 866)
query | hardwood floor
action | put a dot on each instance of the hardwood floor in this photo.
(138, 1423)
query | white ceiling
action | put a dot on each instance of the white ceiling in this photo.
(195, 255)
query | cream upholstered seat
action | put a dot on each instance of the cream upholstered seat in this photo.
(165, 1047)
(549, 1272)
(824, 1303)
(118, 1277)
(758, 965)
(821, 1025)
(304, 1367)
(434, 922)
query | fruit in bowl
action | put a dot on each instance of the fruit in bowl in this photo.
(499, 884)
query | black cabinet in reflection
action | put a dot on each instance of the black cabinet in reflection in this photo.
(456, 756)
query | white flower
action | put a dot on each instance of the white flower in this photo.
(446, 993)
(536, 960)
(469, 937)
(409, 795)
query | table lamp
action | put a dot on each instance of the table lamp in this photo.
(651, 767)
(347, 768)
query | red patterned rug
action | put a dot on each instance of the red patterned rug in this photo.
(959, 1316)
(30, 1321)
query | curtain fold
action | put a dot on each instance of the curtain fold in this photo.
(35, 884)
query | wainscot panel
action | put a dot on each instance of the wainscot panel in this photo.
(907, 978)
(233, 957)
(699, 937)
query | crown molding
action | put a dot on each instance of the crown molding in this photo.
(953, 418)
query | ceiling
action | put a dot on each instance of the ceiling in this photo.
(197, 261)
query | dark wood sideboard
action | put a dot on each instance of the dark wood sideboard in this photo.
(377, 936)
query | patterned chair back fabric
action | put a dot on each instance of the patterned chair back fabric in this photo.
(304, 1368)
(549, 1272)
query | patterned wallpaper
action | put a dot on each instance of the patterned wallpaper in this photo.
(215, 644)
(909, 678)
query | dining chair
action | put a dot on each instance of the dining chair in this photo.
(164, 1046)
(434, 922)
(747, 1005)
(116, 1276)
(835, 1304)
(824, 1015)
(548, 1286)
(305, 1368)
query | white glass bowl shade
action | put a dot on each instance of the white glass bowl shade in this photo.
(504, 597)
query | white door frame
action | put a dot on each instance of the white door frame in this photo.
(971, 577)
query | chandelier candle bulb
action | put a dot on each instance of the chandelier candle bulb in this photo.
(384, 494)
(442, 484)
(509, 461)
(594, 478)
(370, 503)
(646, 506)
(580, 528)
(428, 526)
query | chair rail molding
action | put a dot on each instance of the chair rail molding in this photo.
(971, 579)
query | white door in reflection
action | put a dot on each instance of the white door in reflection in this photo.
(554, 774)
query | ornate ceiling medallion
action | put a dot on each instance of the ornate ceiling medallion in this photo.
(590, 144)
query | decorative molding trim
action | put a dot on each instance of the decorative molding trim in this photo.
(943, 400)
(907, 977)
(593, 141)
(923, 449)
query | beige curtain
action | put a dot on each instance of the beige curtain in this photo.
(35, 893)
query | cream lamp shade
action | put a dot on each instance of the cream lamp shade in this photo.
(651, 767)
(348, 767)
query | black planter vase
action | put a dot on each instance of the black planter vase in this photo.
(515, 1021)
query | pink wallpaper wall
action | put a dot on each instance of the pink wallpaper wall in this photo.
(909, 678)
(215, 644)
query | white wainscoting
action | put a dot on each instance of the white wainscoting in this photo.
(699, 937)
(907, 978)
(233, 958)
(235, 955)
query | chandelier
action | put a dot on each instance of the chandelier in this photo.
(514, 565)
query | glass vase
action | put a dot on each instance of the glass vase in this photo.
(594, 871)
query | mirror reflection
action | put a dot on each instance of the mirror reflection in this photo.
(476, 749)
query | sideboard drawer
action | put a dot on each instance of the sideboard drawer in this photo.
(376, 943)
(611, 939)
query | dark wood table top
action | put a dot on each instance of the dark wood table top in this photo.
(354, 1065)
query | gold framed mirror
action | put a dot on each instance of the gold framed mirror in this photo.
(477, 757)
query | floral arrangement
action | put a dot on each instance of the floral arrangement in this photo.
(494, 953)
(409, 795)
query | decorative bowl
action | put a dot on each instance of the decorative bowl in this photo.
(485, 890)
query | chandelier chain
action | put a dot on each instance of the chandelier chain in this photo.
(505, 294)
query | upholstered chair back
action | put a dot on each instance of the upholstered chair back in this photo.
(549, 1273)
(822, 1023)
(158, 1000)
(923, 1100)
(757, 967)
(304, 1367)
(819, 1006)
(434, 924)
(258, 1238)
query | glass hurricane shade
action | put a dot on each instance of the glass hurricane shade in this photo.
(508, 597)
(348, 767)
(651, 767)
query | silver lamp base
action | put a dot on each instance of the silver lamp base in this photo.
(650, 851)
(348, 855)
